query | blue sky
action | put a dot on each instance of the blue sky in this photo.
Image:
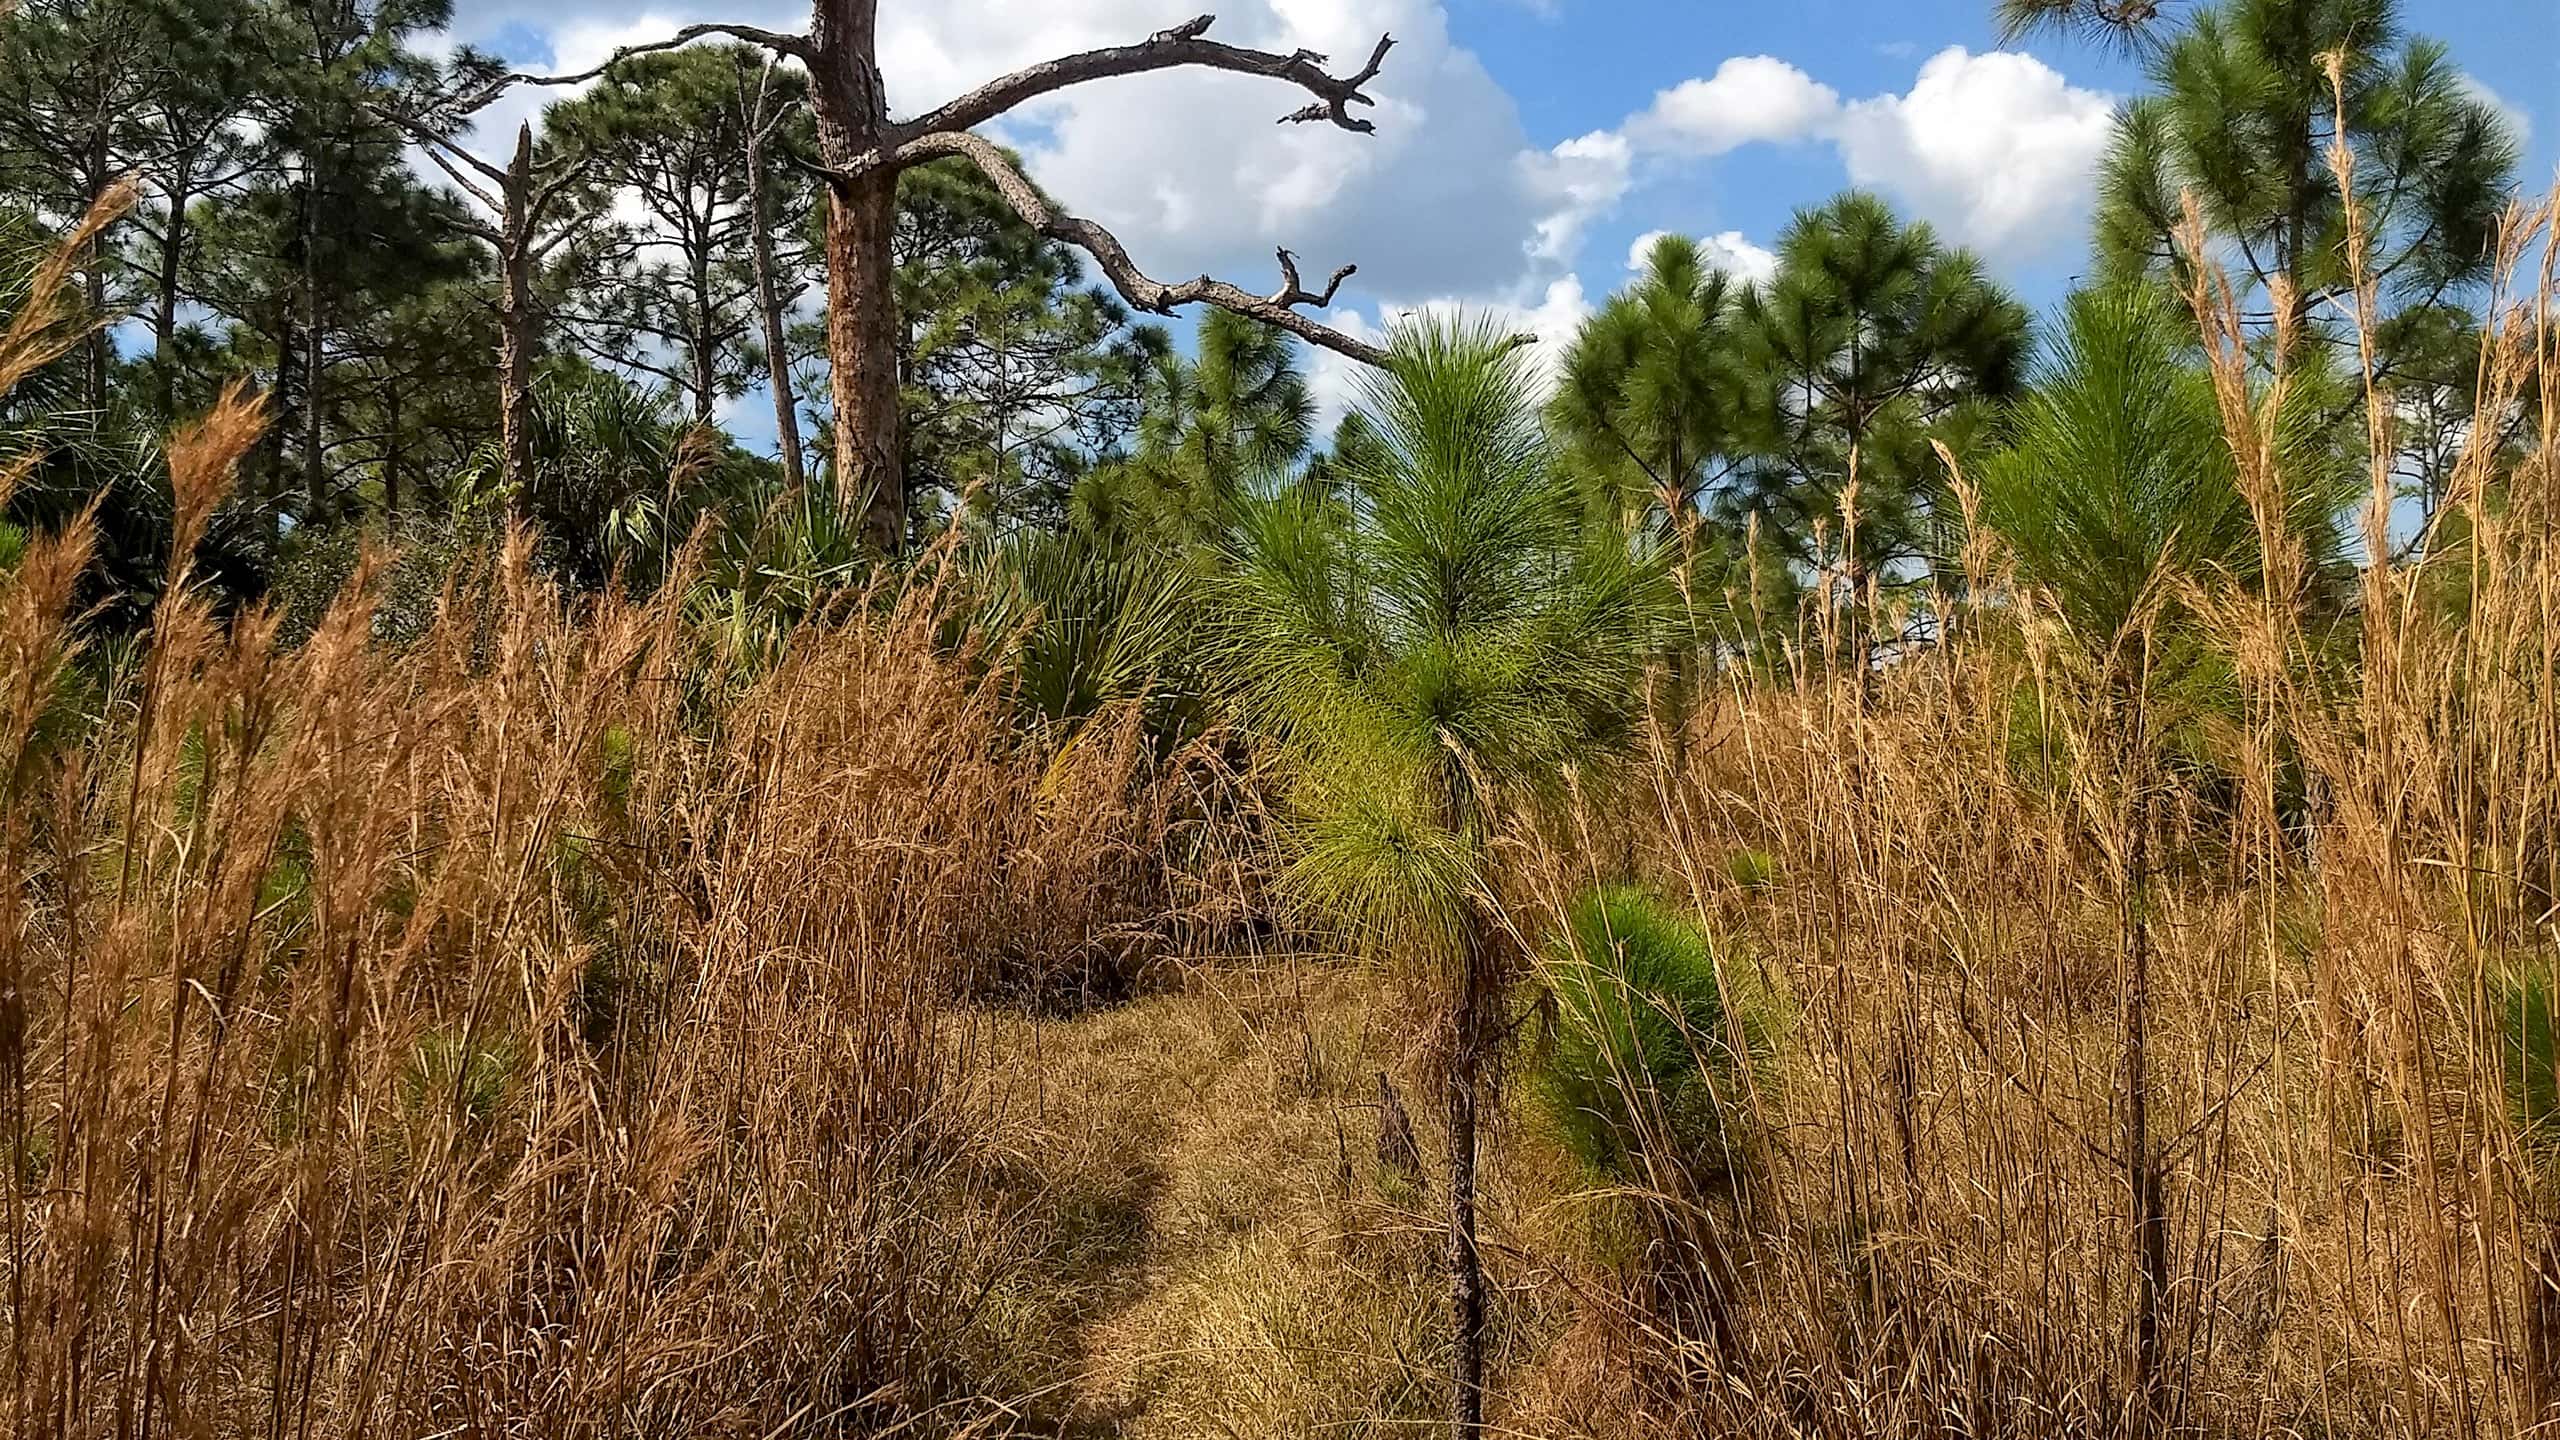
(1576, 65)
(1525, 146)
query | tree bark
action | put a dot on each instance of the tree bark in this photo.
(272, 478)
(100, 346)
(164, 315)
(786, 410)
(702, 351)
(847, 102)
(391, 452)
(515, 385)
(862, 350)
(515, 328)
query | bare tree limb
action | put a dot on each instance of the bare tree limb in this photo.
(444, 150)
(778, 41)
(1135, 286)
(1183, 45)
(577, 172)
(435, 147)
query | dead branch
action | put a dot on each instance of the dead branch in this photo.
(1183, 45)
(1135, 286)
(779, 41)
(1293, 293)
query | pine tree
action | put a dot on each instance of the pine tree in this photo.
(299, 262)
(75, 76)
(1650, 402)
(1431, 661)
(2242, 118)
(1019, 375)
(675, 298)
(1871, 340)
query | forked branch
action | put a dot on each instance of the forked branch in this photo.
(1279, 309)
(1293, 293)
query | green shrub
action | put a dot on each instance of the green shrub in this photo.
(2523, 1004)
(1652, 1048)
(1752, 869)
(473, 1078)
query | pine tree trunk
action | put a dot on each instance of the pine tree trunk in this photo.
(862, 354)
(164, 315)
(786, 414)
(703, 351)
(515, 329)
(515, 381)
(845, 100)
(314, 461)
(100, 342)
(100, 346)
(272, 448)
(391, 453)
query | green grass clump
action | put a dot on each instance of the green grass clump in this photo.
(1652, 1046)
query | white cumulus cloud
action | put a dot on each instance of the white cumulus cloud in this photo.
(1997, 149)
(1729, 251)
(2510, 114)
(1581, 180)
(1749, 98)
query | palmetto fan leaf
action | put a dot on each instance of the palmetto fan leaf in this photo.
(1089, 620)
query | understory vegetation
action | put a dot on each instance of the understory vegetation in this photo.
(1841, 865)
(565, 1021)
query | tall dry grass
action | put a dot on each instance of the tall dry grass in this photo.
(2058, 1150)
(544, 1026)
(527, 1030)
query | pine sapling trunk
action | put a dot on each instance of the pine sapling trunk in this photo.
(2144, 1177)
(2542, 1330)
(1466, 1269)
(1469, 1010)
